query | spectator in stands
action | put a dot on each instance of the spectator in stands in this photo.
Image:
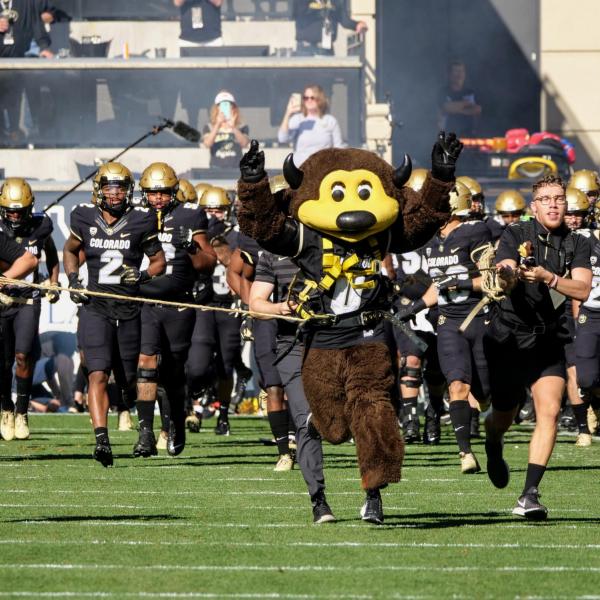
(317, 23)
(226, 135)
(458, 109)
(200, 22)
(308, 125)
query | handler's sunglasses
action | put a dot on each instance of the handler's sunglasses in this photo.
(559, 200)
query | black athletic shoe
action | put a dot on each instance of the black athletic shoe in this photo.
(146, 444)
(372, 509)
(410, 428)
(432, 432)
(320, 509)
(103, 453)
(528, 506)
(222, 427)
(176, 439)
(497, 468)
(475, 425)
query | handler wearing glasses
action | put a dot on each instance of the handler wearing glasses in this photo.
(541, 263)
(308, 125)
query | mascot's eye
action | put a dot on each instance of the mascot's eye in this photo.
(338, 192)
(364, 191)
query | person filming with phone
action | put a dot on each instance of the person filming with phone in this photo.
(308, 125)
(226, 135)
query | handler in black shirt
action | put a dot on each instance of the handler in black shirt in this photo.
(546, 264)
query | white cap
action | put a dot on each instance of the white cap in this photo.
(224, 97)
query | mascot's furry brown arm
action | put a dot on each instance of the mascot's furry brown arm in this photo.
(344, 211)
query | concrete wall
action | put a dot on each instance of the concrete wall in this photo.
(569, 68)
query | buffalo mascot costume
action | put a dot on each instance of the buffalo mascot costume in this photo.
(345, 209)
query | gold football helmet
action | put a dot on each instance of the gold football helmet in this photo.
(577, 201)
(186, 192)
(417, 179)
(113, 173)
(585, 180)
(460, 200)
(473, 185)
(201, 188)
(215, 198)
(510, 201)
(16, 198)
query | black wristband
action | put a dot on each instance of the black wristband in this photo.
(418, 305)
(73, 279)
(464, 284)
(144, 277)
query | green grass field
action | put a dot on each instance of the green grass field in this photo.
(216, 522)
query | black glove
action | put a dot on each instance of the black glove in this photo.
(407, 311)
(133, 276)
(184, 240)
(52, 295)
(252, 165)
(444, 155)
(75, 284)
(452, 282)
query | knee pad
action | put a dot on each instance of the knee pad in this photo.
(147, 375)
(414, 373)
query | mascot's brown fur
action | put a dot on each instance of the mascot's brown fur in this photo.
(348, 388)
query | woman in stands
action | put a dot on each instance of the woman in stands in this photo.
(308, 125)
(226, 136)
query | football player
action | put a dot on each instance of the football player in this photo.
(510, 205)
(478, 206)
(166, 330)
(19, 320)
(114, 237)
(587, 181)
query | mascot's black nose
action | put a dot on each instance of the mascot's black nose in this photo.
(355, 220)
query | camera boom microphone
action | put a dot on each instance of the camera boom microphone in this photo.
(186, 132)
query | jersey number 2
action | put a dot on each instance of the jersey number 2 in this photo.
(114, 262)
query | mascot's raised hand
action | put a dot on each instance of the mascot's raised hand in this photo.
(252, 165)
(444, 155)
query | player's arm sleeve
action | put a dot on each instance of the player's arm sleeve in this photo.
(200, 222)
(264, 269)
(508, 246)
(10, 250)
(75, 226)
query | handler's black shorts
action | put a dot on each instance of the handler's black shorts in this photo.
(265, 352)
(19, 328)
(461, 355)
(166, 329)
(108, 343)
(513, 369)
(587, 348)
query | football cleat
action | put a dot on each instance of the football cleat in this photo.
(103, 453)
(497, 468)
(528, 506)
(468, 463)
(7, 425)
(584, 440)
(320, 509)
(176, 439)
(372, 509)
(125, 423)
(432, 432)
(411, 431)
(285, 463)
(161, 443)
(222, 427)
(146, 444)
(21, 427)
(193, 423)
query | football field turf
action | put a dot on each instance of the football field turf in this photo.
(217, 522)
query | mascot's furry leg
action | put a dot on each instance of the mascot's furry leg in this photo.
(360, 378)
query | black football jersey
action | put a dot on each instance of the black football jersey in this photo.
(451, 256)
(411, 273)
(593, 301)
(249, 249)
(32, 238)
(108, 248)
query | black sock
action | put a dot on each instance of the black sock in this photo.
(580, 412)
(534, 476)
(145, 411)
(23, 394)
(409, 408)
(224, 413)
(278, 420)
(101, 434)
(7, 403)
(460, 417)
(165, 409)
(291, 426)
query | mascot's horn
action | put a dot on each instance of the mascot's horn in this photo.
(402, 173)
(293, 175)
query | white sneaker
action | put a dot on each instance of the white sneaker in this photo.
(468, 463)
(161, 442)
(21, 427)
(584, 440)
(125, 423)
(285, 463)
(7, 425)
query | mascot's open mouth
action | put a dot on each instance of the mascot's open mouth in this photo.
(355, 220)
